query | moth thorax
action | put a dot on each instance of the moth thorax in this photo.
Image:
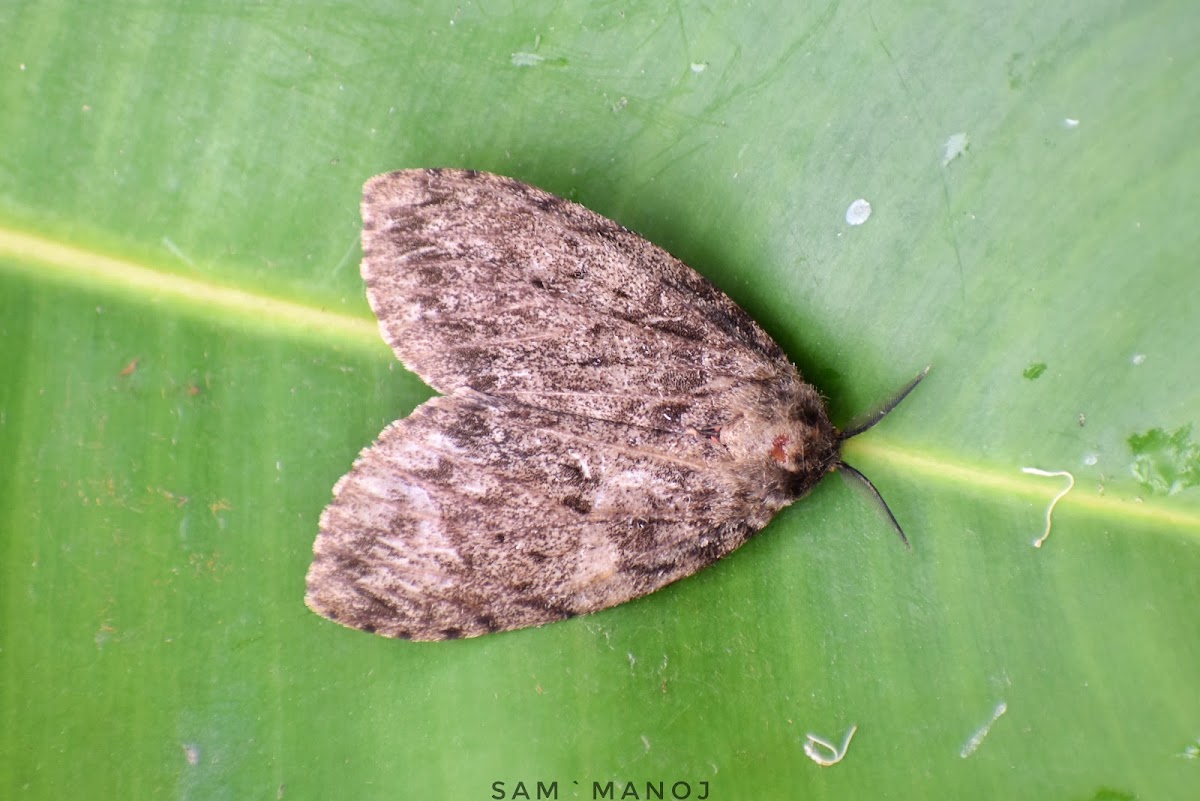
(803, 442)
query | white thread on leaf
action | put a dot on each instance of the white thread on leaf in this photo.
(1050, 509)
(970, 745)
(825, 753)
(177, 252)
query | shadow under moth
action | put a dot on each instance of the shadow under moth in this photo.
(609, 421)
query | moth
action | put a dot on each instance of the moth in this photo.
(609, 421)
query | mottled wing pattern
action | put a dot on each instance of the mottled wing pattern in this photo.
(611, 421)
(478, 514)
(482, 281)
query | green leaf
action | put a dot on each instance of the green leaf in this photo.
(188, 364)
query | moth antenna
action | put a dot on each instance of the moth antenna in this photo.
(875, 417)
(874, 492)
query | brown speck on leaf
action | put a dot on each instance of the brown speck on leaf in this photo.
(178, 500)
(609, 421)
(129, 369)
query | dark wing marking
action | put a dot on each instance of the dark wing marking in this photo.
(484, 282)
(476, 514)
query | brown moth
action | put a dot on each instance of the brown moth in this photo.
(610, 421)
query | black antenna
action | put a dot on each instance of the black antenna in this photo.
(875, 493)
(874, 418)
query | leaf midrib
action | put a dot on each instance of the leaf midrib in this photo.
(202, 297)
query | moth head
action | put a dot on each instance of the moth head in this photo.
(806, 443)
(855, 429)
